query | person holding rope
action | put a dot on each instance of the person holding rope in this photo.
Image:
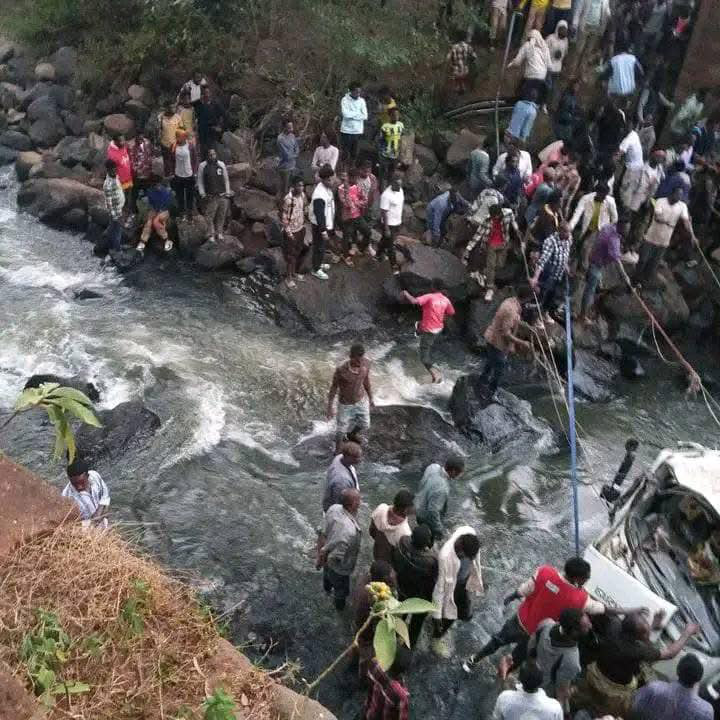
(551, 269)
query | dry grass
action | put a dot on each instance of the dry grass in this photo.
(155, 672)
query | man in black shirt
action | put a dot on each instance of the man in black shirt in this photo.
(210, 121)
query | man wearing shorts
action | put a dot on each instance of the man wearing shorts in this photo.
(351, 383)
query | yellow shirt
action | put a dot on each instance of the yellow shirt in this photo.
(562, 4)
(168, 127)
(384, 112)
(187, 115)
(593, 226)
(392, 132)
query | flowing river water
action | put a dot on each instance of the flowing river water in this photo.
(219, 494)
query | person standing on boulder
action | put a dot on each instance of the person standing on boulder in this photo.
(89, 492)
(439, 210)
(288, 150)
(210, 122)
(118, 153)
(391, 133)
(141, 154)
(352, 204)
(193, 88)
(159, 199)
(392, 202)
(325, 154)
(169, 122)
(502, 340)
(214, 189)
(431, 499)
(342, 474)
(434, 305)
(186, 167)
(550, 270)
(322, 220)
(293, 224)
(353, 112)
(114, 203)
(351, 385)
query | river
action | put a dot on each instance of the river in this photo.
(219, 494)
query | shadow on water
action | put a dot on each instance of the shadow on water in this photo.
(219, 494)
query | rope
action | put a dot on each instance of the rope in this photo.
(571, 414)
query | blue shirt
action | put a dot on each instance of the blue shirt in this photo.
(440, 208)
(523, 119)
(670, 701)
(159, 198)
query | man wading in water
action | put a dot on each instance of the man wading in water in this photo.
(351, 382)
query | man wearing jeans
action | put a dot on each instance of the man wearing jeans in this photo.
(392, 202)
(214, 187)
(353, 111)
(502, 340)
(322, 220)
(114, 202)
(607, 249)
(351, 383)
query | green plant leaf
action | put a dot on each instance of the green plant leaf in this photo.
(43, 680)
(77, 409)
(385, 643)
(28, 398)
(412, 606)
(402, 630)
(72, 688)
(72, 394)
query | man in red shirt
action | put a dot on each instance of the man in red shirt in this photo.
(435, 306)
(545, 595)
(352, 204)
(388, 698)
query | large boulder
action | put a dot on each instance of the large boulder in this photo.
(254, 205)
(406, 436)
(50, 199)
(65, 61)
(47, 132)
(265, 177)
(220, 254)
(74, 381)
(356, 294)
(138, 111)
(74, 124)
(426, 158)
(45, 71)
(15, 117)
(421, 263)
(63, 95)
(75, 151)
(43, 107)
(665, 301)
(241, 144)
(593, 377)
(110, 104)
(38, 90)
(16, 140)
(119, 124)
(496, 421)
(442, 141)
(480, 315)
(458, 153)
(191, 235)
(10, 95)
(127, 427)
(25, 162)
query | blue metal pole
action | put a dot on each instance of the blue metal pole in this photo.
(571, 414)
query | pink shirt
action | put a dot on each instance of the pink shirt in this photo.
(435, 306)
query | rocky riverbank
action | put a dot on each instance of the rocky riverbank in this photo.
(57, 138)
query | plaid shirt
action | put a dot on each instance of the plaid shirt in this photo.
(554, 258)
(483, 231)
(459, 56)
(387, 699)
(114, 197)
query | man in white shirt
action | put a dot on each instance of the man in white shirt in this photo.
(194, 88)
(525, 167)
(666, 215)
(596, 209)
(322, 220)
(392, 202)
(89, 493)
(632, 155)
(528, 702)
(353, 111)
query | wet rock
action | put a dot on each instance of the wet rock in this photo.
(356, 294)
(45, 71)
(43, 107)
(593, 377)
(65, 61)
(220, 254)
(73, 381)
(630, 367)
(499, 421)
(16, 140)
(86, 294)
(256, 240)
(191, 235)
(119, 124)
(126, 259)
(127, 427)
(7, 155)
(47, 132)
(75, 219)
(459, 151)
(254, 205)
(50, 199)
(591, 336)
(426, 158)
(24, 163)
(406, 436)
(665, 301)
(702, 315)
(248, 265)
(421, 263)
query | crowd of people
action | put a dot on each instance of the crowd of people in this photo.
(625, 173)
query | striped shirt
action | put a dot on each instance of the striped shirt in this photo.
(554, 258)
